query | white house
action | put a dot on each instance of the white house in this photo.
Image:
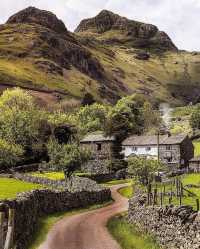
(172, 150)
(141, 146)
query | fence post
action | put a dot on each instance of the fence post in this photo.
(155, 196)
(2, 220)
(161, 199)
(197, 201)
(10, 232)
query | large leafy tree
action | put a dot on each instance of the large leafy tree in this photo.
(19, 117)
(66, 157)
(125, 118)
(91, 118)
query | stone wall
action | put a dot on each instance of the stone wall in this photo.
(32, 205)
(96, 167)
(174, 227)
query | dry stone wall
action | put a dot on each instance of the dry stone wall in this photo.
(174, 227)
(32, 205)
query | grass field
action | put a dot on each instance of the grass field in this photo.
(128, 236)
(50, 175)
(9, 188)
(187, 200)
(47, 222)
(196, 144)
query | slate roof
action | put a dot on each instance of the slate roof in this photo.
(195, 159)
(97, 138)
(152, 140)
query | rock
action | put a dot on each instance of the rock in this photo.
(41, 17)
(140, 34)
(142, 55)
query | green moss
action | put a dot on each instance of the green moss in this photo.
(9, 188)
(128, 236)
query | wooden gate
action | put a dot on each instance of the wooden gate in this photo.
(7, 229)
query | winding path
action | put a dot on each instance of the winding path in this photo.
(87, 230)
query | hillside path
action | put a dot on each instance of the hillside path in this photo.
(87, 230)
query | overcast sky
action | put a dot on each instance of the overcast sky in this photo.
(179, 18)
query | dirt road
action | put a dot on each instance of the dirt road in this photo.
(87, 230)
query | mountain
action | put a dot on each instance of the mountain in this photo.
(108, 56)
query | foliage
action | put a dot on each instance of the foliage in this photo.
(19, 117)
(143, 169)
(91, 118)
(9, 153)
(124, 118)
(195, 118)
(128, 236)
(151, 117)
(196, 144)
(67, 157)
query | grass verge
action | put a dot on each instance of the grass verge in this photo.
(127, 235)
(126, 191)
(46, 223)
(117, 182)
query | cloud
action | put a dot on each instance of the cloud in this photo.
(179, 18)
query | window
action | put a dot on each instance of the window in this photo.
(168, 147)
(169, 160)
(99, 147)
(148, 148)
(134, 148)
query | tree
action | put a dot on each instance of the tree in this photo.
(10, 154)
(91, 118)
(124, 118)
(143, 169)
(19, 117)
(151, 117)
(195, 118)
(66, 157)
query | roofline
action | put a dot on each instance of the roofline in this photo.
(150, 144)
(82, 141)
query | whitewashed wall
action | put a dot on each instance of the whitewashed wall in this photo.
(141, 150)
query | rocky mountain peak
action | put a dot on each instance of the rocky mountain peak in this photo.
(37, 16)
(142, 34)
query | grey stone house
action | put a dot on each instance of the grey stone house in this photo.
(102, 149)
(175, 151)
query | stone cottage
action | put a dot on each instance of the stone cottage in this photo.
(102, 149)
(175, 151)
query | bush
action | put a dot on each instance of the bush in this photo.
(10, 154)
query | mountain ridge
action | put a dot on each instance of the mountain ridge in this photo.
(114, 58)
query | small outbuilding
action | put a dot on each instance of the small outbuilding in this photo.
(100, 145)
(194, 165)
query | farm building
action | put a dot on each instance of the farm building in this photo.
(194, 164)
(175, 151)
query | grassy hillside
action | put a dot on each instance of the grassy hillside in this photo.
(103, 63)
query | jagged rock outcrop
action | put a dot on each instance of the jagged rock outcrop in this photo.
(142, 35)
(41, 17)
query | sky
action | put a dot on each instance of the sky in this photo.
(178, 18)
